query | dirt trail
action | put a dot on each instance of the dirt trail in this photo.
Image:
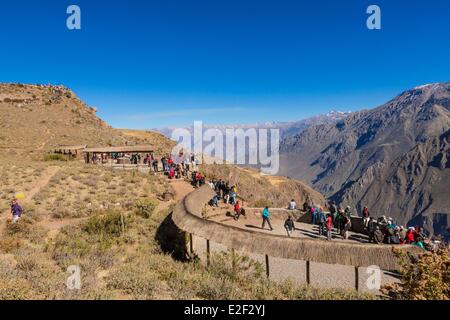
(40, 183)
(48, 173)
(181, 188)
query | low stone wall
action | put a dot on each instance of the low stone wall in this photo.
(304, 260)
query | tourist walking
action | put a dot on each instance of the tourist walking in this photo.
(266, 218)
(289, 225)
(16, 210)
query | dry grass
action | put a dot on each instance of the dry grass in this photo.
(118, 248)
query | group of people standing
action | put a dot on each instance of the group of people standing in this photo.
(228, 194)
(174, 167)
(335, 218)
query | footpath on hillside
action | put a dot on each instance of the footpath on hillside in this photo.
(47, 174)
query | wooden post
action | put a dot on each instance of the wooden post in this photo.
(122, 222)
(357, 278)
(191, 244)
(308, 272)
(208, 253)
(233, 260)
(267, 267)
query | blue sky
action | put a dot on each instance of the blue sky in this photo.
(157, 63)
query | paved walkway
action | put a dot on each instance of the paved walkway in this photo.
(253, 221)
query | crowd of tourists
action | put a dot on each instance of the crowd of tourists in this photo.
(335, 218)
(227, 193)
(177, 167)
(380, 230)
(332, 221)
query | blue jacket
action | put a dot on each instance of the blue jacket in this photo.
(266, 213)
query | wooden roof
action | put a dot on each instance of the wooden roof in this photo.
(141, 148)
(187, 216)
(79, 147)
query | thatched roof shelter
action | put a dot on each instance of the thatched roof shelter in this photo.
(70, 148)
(136, 149)
(187, 216)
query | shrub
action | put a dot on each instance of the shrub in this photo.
(423, 277)
(262, 203)
(55, 157)
(134, 279)
(235, 266)
(9, 244)
(21, 227)
(110, 224)
(145, 208)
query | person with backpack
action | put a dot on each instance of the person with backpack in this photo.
(322, 221)
(289, 225)
(266, 218)
(238, 211)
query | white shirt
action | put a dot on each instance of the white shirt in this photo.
(292, 205)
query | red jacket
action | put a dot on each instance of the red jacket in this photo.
(409, 237)
(329, 223)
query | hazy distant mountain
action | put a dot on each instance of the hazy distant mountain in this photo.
(286, 128)
(394, 159)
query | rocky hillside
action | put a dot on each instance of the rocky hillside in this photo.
(260, 190)
(394, 159)
(36, 118)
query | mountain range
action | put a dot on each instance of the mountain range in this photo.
(395, 158)
(287, 128)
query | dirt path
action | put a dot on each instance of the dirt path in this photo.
(40, 183)
(181, 188)
(253, 221)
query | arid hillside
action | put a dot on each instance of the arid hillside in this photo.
(35, 118)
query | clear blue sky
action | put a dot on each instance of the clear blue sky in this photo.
(148, 64)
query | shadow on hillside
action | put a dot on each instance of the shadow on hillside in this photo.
(171, 239)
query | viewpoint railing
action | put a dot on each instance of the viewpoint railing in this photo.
(188, 217)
